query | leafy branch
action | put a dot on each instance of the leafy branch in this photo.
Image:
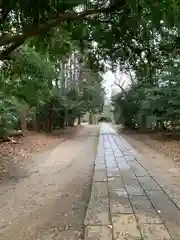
(9, 43)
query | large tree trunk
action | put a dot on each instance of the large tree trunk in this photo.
(22, 117)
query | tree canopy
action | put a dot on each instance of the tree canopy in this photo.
(110, 23)
(152, 99)
(48, 81)
(53, 54)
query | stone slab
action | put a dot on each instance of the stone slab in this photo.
(119, 203)
(130, 158)
(134, 188)
(144, 210)
(98, 212)
(138, 170)
(168, 212)
(98, 233)
(115, 183)
(100, 166)
(125, 227)
(100, 176)
(149, 184)
(113, 172)
(128, 175)
(100, 189)
(154, 232)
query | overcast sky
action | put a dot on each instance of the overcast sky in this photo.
(109, 82)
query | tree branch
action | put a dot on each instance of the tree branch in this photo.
(13, 42)
(94, 21)
(4, 55)
(120, 85)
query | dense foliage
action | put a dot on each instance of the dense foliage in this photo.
(150, 58)
(48, 84)
(53, 54)
(109, 23)
(152, 100)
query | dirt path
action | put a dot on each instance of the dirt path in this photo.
(19, 152)
(156, 159)
(49, 200)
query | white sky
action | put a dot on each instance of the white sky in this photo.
(109, 80)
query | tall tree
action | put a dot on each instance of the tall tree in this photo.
(91, 20)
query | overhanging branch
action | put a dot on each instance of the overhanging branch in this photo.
(10, 43)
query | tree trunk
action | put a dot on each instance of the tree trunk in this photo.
(22, 117)
(62, 119)
(143, 123)
(90, 118)
(35, 123)
(66, 117)
(79, 120)
(162, 126)
(44, 126)
(63, 77)
(70, 120)
(71, 123)
(50, 121)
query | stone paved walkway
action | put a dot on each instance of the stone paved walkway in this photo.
(127, 203)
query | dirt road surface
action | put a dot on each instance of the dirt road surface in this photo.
(49, 199)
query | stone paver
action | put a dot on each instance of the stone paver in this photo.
(148, 183)
(98, 233)
(115, 183)
(127, 201)
(125, 227)
(119, 202)
(100, 189)
(144, 211)
(100, 175)
(98, 212)
(134, 188)
(154, 232)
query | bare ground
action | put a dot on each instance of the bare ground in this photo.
(48, 199)
(160, 155)
(19, 153)
(164, 144)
